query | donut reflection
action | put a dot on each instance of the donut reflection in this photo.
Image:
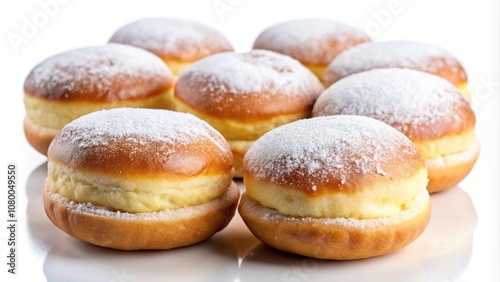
(42, 233)
(73, 260)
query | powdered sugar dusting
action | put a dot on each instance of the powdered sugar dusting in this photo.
(304, 39)
(113, 71)
(171, 37)
(405, 99)
(138, 127)
(395, 54)
(323, 149)
(254, 73)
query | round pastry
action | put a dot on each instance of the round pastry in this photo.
(426, 108)
(140, 179)
(313, 42)
(245, 95)
(77, 82)
(338, 187)
(179, 42)
(399, 54)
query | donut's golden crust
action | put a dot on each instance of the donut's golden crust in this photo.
(140, 233)
(397, 54)
(135, 86)
(452, 71)
(284, 86)
(407, 165)
(38, 137)
(202, 158)
(244, 107)
(162, 37)
(85, 92)
(319, 52)
(328, 49)
(321, 239)
(448, 171)
(462, 122)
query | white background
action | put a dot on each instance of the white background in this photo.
(469, 29)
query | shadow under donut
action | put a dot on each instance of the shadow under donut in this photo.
(43, 234)
(212, 260)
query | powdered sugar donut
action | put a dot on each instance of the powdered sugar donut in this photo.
(313, 42)
(178, 42)
(340, 187)
(426, 108)
(140, 179)
(77, 82)
(399, 54)
(244, 95)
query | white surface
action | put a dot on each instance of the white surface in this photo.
(449, 250)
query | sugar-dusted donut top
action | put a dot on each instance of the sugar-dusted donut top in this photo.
(172, 38)
(311, 41)
(332, 153)
(131, 142)
(396, 54)
(421, 105)
(254, 85)
(102, 73)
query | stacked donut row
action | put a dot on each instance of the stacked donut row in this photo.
(339, 140)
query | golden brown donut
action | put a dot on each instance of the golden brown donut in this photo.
(179, 42)
(426, 108)
(313, 42)
(140, 179)
(244, 95)
(337, 187)
(399, 54)
(76, 82)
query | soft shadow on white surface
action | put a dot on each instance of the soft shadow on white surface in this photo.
(73, 260)
(441, 253)
(42, 233)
